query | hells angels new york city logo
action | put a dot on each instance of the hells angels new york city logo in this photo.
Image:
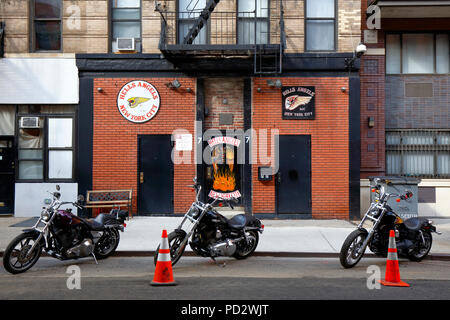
(298, 102)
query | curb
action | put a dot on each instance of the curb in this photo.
(435, 257)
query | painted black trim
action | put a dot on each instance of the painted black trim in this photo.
(247, 172)
(85, 135)
(200, 116)
(354, 148)
(203, 66)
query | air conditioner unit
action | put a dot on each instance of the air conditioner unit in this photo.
(29, 122)
(125, 44)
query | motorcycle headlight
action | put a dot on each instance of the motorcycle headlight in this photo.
(45, 215)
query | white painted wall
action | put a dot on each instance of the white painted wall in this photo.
(39, 80)
(30, 197)
(439, 209)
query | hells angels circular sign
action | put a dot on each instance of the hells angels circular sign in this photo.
(138, 101)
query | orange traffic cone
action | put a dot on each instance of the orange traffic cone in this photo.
(163, 271)
(392, 277)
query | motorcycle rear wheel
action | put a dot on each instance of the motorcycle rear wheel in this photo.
(350, 252)
(107, 245)
(175, 239)
(423, 250)
(247, 250)
(17, 250)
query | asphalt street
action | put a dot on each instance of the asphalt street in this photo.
(201, 279)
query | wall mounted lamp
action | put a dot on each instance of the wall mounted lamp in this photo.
(274, 83)
(100, 89)
(175, 84)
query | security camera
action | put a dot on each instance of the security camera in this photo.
(360, 50)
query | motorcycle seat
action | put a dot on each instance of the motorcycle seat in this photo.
(238, 221)
(98, 223)
(414, 223)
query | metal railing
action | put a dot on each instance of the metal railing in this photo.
(223, 28)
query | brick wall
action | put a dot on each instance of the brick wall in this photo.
(115, 154)
(218, 89)
(372, 74)
(417, 112)
(329, 143)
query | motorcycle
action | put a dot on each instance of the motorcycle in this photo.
(413, 236)
(65, 236)
(213, 235)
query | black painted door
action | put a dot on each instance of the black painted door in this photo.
(293, 181)
(155, 174)
(6, 175)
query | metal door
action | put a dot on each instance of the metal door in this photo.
(293, 180)
(155, 174)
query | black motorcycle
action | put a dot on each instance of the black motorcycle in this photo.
(413, 236)
(65, 236)
(213, 235)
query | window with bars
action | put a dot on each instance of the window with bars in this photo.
(419, 153)
(46, 25)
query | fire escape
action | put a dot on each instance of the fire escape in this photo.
(203, 30)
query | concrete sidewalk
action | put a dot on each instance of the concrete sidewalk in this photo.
(143, 235)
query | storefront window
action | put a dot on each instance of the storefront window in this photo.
(320, 24)
(46, 142)
(7, 114)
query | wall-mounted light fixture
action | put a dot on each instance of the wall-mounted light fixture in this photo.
(225, 101)
(371, 122)
(274, 83)
(100, 89)
(343, 89)
(175, 84)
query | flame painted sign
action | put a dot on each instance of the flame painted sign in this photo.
(138, 101)
(298, 102)
(225, 184)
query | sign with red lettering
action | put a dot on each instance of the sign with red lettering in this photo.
(138, 101)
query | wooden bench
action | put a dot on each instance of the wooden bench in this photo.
(109, 199)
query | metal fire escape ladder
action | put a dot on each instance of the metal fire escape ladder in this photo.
(201, 21)
(268, 59)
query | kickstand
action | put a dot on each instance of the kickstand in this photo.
(217, 264)
(94, 258)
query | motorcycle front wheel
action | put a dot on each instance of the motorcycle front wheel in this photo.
(16, 258)
(175, 239)
(352, 251)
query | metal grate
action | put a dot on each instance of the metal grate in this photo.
(418, 153)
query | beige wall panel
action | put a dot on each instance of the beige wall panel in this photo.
(16, 44)
(150, 45)
(85, 45)
(15, 26)
(13, 8)
(86, 27)
(88, 8)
